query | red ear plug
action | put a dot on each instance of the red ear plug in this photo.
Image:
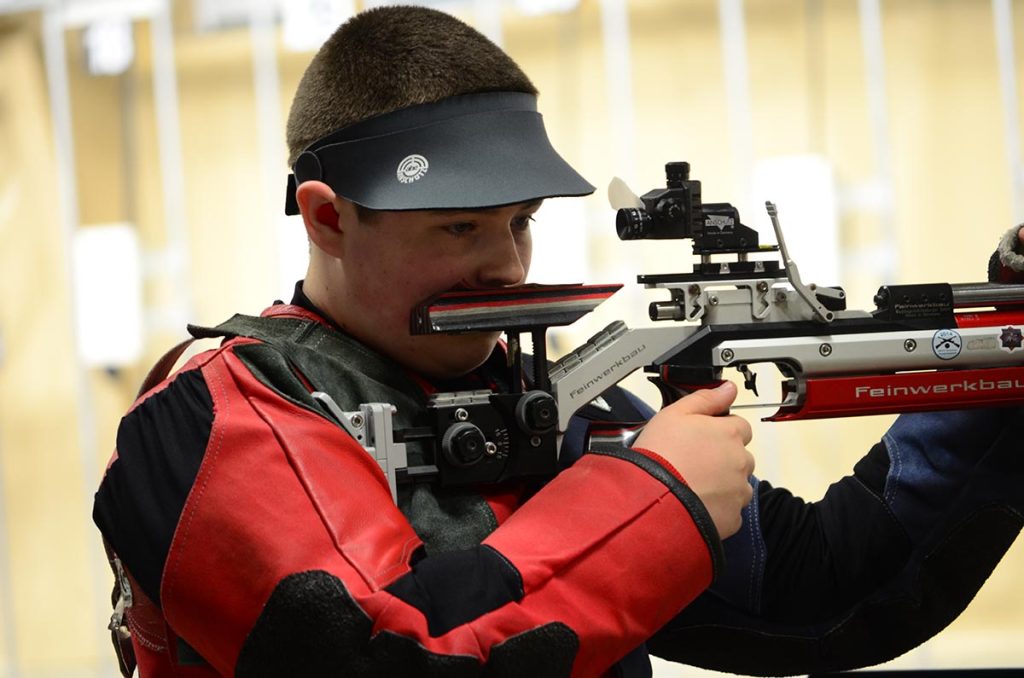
(327, 214)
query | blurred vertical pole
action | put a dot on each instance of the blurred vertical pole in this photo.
(10, 647)
(737, 96)
(878, 111)
(267, 86)
(738, 110)
(60, 110)
(618, 69)
(172, 176)
(1002, 16)
(888, 256)
(10, 665)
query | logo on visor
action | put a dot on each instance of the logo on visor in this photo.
(411, 168)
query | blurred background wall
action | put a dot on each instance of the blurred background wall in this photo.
(142, 174)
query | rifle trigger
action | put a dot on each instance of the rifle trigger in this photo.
(749, 379)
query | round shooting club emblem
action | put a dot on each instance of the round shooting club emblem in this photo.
(947, 344)
(412, 168)
(1011, 338)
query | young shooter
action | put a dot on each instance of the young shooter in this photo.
(258, 538)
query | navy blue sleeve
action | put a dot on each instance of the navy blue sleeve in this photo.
(885, 560)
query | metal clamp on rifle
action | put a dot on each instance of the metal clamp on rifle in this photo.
(479, 436)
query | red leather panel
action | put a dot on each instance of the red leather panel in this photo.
(282, 490)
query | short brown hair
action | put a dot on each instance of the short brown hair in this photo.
(389, 58)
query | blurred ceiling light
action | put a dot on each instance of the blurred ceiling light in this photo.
(308, 23)
(539, 7)
(109, 45)
(108, 295)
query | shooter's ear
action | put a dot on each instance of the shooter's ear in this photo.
(324, 215)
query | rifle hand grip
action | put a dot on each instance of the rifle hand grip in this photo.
(671, 391)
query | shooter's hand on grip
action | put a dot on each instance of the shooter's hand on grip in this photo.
(707, 447)
(672, 392)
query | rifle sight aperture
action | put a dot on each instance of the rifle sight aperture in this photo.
(676, 212)
(668, 213)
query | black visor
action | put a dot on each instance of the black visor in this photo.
(464, 152)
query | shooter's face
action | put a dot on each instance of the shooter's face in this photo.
(396, 260)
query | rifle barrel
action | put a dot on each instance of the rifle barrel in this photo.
(966, 295)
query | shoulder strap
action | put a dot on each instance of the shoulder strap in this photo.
(162, 367)
(237, 325)
(319, 351)
(274, 328)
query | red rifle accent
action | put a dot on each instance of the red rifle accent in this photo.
(989, 319)
(907, 392)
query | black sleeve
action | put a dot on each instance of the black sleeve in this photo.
(160, 445)
(820, 551)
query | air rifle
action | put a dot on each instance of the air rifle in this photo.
(932, 346)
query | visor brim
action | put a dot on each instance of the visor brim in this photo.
(477, 159)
